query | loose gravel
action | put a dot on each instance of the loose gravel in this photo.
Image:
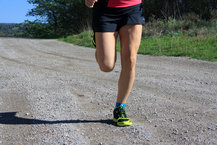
(52, 92)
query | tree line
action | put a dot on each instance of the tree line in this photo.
(64, 17)
(178, 8)
(11, 30)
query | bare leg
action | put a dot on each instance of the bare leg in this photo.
(106, 50)
(130, 36)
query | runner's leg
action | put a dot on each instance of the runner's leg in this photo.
(106, 50)
(130, 37)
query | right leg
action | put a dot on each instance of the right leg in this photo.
(106, 50)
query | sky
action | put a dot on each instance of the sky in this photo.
(14, 11)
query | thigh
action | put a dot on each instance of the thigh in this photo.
(130, 36)
(106, 46)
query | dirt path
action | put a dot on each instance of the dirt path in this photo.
(53, 93)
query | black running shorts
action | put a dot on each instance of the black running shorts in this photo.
(107, 19)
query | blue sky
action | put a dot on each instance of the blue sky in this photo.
(14, 11)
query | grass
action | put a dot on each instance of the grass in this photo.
(198, 47)
(189, 37)
(82, 39)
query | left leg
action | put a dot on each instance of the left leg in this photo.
(130, 38)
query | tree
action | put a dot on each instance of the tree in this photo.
(200, 7)
(178, 8)
(64, 16)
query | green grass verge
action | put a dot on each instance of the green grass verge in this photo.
(199, 47)
(82, 39)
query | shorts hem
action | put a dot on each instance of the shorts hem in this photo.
(100, 30)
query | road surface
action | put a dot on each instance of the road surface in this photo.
(52, 92)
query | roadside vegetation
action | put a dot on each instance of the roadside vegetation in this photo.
(11, 30)
(173, 28)
(191, 37)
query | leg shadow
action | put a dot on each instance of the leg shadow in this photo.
(11, 119)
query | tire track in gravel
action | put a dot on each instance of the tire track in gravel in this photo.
(61, 97)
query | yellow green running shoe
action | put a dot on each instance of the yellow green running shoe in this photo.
(93, 40)
(120, 117)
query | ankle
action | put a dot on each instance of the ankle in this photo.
(120, 104)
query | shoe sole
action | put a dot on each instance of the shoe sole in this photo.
(124, 123)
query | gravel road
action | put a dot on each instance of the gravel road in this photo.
(52, 92)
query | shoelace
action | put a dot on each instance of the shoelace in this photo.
(122, 113)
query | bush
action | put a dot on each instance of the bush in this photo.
(190, 25)
(213, 14)
(37, 29)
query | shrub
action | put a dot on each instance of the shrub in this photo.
(190, 25)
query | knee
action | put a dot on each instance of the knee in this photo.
(106, 67)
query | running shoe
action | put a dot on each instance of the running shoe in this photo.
(120, 117)
(93, 40)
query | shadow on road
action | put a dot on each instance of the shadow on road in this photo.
(11, 119)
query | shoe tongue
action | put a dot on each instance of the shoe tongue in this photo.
(122, 112)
